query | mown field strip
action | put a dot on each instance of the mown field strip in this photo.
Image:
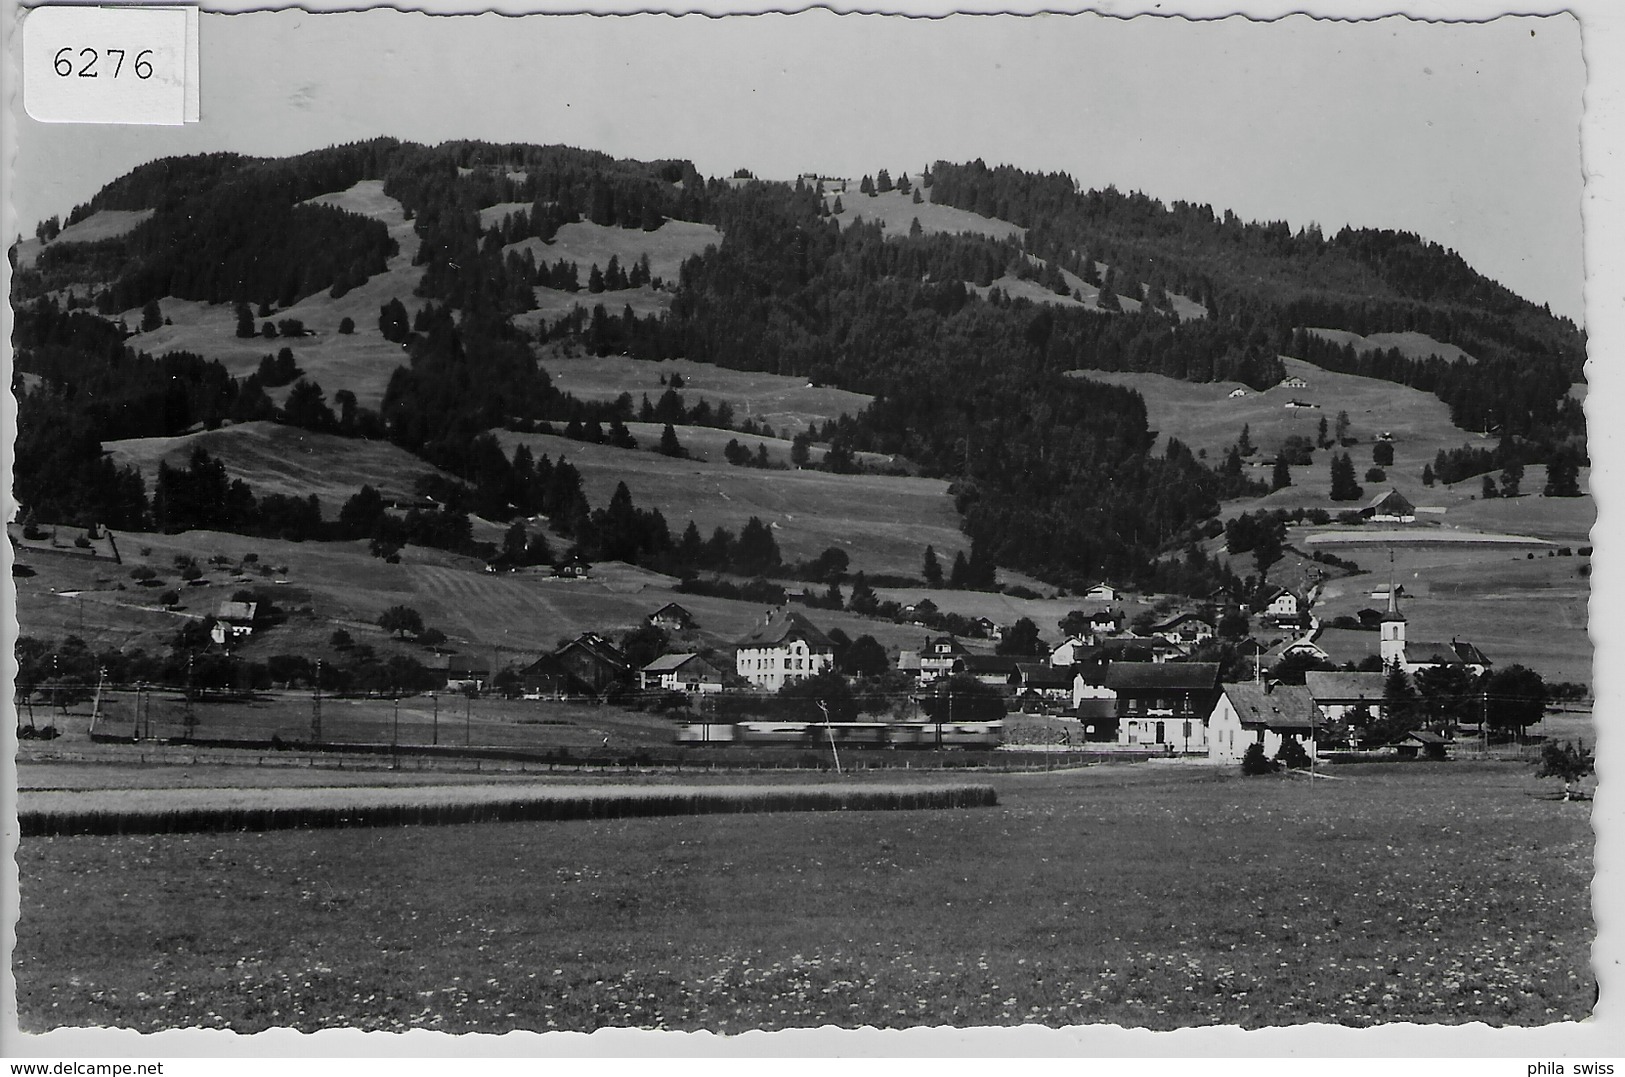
(172, 811)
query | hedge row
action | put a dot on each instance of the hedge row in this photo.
(158, 818)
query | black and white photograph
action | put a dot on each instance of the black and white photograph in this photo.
(561, 523)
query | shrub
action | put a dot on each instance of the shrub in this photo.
(346, 326)
(1254, 762)
(1292, 754)
(170, 598)
(82, 541)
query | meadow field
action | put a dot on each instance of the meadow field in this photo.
(788, 404)
(1152, 896)
(883, 522)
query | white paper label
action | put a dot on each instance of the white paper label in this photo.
(110, 65)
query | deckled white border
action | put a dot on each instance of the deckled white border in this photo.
(1603, 42)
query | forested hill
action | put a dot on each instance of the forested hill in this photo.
(1362, 280)
(1052, 474)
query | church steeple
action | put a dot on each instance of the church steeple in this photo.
(1392, 643)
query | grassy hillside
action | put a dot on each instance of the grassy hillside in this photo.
(788, 404)
(883, 522)
(361, 362)
(276, 459)
(553, 304)
(103, 224)
(586, 244)
(1411, 345)
(327, 586)
(897, 212)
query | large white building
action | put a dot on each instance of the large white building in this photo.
(784, 647)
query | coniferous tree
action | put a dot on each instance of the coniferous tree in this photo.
(669, 445)
(1344, 486)
(931, 570)
(245, 322)
(1282, 476)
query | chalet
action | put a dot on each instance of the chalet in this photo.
(233, 621)
(994, 670)
(1100, 592)
(1040, 687)
(574, 567)
(458, 673)
(1303, 405)
(1187, 628)
(588, 665)
(680, 673)
(937, 657)
(784, 647)
(1262, 714)
(672, 618)
(1238, 392)
(1336, 695)
(1105, 623)
(1068, 651)
(1163, 704)
(990, 628)
(1295, 648)
(1292, 381)
(1391, 507)
(1430, 745)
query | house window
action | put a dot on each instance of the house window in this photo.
(1134, 706)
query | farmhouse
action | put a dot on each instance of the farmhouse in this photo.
(588, 665)
(784, 647)
(1336, 695)
(1187, 628)
(574, 567)
(1101, 592)
(681, 673)
(672, 618)
(461, 674)
(937, 657)
(1302, 404)
(990, 628)
(994, 670)
(1163, 704)
(1392, 507)
(1041, 687)
(1260, 714)
(233, 621)
(1292, 381)
(1237, 392)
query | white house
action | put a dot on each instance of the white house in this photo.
(1283, 605)
(234, 621)
(1293, 382)
(681, 673)
(1101, 592)
(1069, 651)
(1249, 713)
(1237, 392)
(937, 657)
(784, 647)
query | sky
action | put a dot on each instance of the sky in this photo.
(1467, 134)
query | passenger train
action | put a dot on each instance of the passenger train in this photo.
(844, 734)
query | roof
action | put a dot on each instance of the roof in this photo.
(598, 647)
(784, 625)
(1338, 687)
(1426, 737)
(1192, 676)
(1392, 499)
(672, 608)
(237, 611)
(670, 663)
(987, 663)
(1182, 619)
(1286, 706)
(1040, 675)
(1456, 652)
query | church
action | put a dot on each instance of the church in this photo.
(1413, 655)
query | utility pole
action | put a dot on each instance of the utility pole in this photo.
(468, 720)
(316, 707)
(436, 700)
(191, 715)
(395, 738)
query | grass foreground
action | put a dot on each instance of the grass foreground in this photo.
(1158, 897)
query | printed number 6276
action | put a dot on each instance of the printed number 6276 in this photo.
(87, 59)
